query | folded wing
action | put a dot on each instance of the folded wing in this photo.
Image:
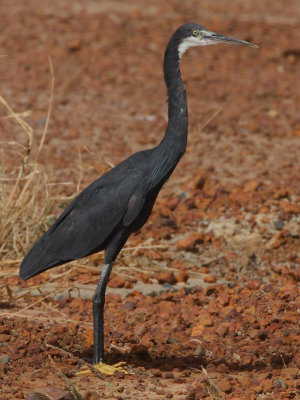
(87, 224)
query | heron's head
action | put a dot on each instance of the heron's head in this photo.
(191, 34)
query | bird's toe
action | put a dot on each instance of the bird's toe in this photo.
(104, 369)
(109, 370)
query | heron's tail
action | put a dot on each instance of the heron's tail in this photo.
(38, 259)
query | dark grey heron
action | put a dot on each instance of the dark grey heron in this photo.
(109, 210)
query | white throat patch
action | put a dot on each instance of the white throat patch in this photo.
(191, 42)
(186, 44)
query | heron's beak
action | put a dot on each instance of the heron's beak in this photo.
(213, 37)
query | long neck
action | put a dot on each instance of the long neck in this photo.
(177, 128)
(173, 145)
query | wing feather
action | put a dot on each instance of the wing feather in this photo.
(112, 202)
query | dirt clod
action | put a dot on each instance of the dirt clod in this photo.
(49, 393)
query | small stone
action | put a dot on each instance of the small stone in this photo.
(197, 330)
(121, 389)
(280, 383)
(210, 279)
(49, 393)
(223, 299)
(166, 277)
(290, 290)
(224, 385)
(222, 368)
(203, 270)
(223, 329)
(279, 225)
(173, 203)
(138, 348)
(182, 276)
(279, 239)
(251, 186)
(74, 45)
(140, 330)
(267, 385)
(4, 359)
(168, 375)
(205, 317)
(119, 374)
(199, 179)
(4, 338)
(293, 372)
(189, 242)
(246, 359)
(156, 372)
(128, 285)
(289, 207)
(282, 192)
(128, 306)
(116, 283)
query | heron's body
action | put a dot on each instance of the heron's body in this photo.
(85, 227)
(104, 215)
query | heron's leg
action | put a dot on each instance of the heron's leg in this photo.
(98, 308)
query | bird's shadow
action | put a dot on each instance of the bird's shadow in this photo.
(147, 361)
(181, 363)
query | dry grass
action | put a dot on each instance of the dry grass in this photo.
(26, 193)
(215, 393)
(25, 203)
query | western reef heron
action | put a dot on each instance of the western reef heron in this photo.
(109, 210)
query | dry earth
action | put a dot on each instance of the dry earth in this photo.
(211, 280)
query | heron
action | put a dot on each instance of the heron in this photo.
(109, 210)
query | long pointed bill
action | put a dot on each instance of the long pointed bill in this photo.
(213, 37)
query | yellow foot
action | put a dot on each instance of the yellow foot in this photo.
(104, 369)
(109, 370)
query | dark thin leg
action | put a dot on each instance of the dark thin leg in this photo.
(98, 307)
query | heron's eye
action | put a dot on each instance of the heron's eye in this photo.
(195, 32)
